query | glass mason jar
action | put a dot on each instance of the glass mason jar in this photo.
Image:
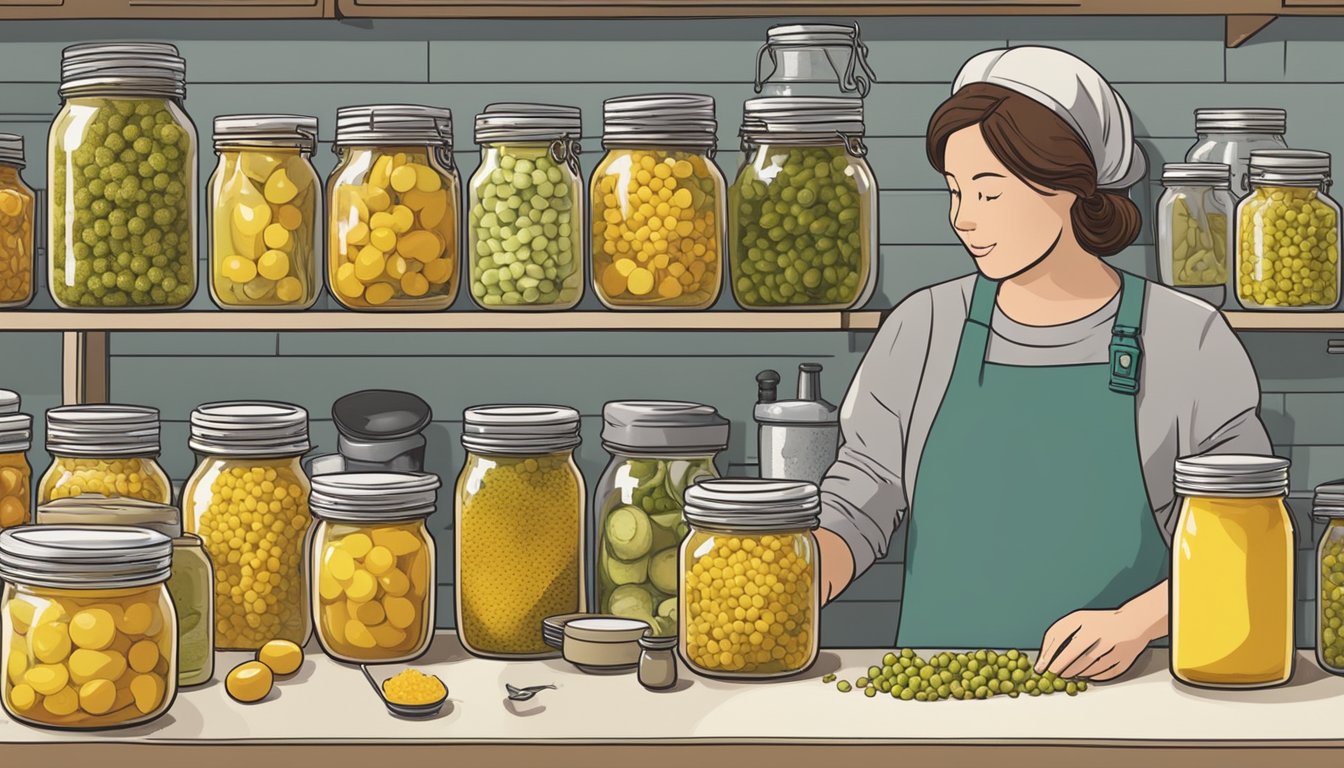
(90, 632)
(393, 200)
(767, 628)
(17, 247)
(248, 501)
(1230, 135)
(658, 204)
(658, 450)
(16, 475)
(520, 528)
(525, 208)
(805, 60)
(263, 207)
(803, 210)
(1194, 233)
(373, 565)
(1288, 233)
(1328, 509)
(121, 180)
(1232, 573)
(104, 450)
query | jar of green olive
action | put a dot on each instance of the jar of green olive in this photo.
(1288, 233)
(122, 180)
(1328, 509)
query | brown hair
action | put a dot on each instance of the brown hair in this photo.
(1039, 147)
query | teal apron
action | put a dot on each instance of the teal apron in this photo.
(1030, 501)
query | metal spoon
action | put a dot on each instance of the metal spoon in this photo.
(524, 694)
(405, 710)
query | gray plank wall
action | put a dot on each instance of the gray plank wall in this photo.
(1164, 67)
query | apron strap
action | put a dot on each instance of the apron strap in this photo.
(975, 331)
(1126, 353)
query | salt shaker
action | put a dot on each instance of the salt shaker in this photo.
(657, 662)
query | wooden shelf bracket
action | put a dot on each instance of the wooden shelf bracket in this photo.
(1243, 28)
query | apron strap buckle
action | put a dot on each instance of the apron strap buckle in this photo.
(1125, 355)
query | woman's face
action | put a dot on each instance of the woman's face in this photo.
(1008, 224)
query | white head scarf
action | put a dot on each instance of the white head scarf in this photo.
(1072, 89)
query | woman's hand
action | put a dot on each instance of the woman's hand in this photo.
(1102, 645)
(837, 564)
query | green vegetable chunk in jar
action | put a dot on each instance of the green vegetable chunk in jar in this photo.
(1288, 245)
(1199, 245)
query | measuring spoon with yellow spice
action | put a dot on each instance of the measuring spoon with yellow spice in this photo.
(410, 693)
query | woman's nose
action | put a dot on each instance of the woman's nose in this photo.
(960, 220)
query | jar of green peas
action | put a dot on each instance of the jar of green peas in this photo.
(122, 180)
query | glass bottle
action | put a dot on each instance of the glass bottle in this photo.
(1229, 136)
(17, 214)
(814, 60)
(1194, 231)
(1328, 509)
(16, 474)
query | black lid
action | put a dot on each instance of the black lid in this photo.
(380, 414)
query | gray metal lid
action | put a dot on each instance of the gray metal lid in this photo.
(1289, 167)
(753, 505)
(812, 34)
(9, 401)
(16, 433)
(650, 642)
(517, 121)
(520, 429)
(250, 428)
(394, 124)
(1217, 175)
(1328, 500)
(11, 149)
(103, 430)
(1241, 120)
(803, 115)
(380, 414)
(374, 497)
(1232, 475)
(664, 426)
(266, 131)
(660, 119)
(112, 510)
(153, 68)
(84, 556)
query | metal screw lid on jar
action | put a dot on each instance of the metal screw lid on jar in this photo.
(11, 149)
(373, 497)
(1291, 167)
(1328, 500)
(810, 115)
(266, 131)
(528, 122)
(112, 510)
(753, 505)
(664, 426)
(9, 402)
(103, 430)
(84, 556)
(1232, 475)
(394, 124)
(1271, 121)
(660, 119)
(520, 429)
(256, 429)
(16, 429)
(155, 68)
(1216, 175)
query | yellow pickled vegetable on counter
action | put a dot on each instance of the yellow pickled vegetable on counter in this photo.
(282, 656)
(412, 687)
(249, 682)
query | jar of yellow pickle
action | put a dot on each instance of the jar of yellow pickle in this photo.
(393, 198)
(520, 528)
(248, 501)
(750, 598)
(658, 201)
(374, 565)
(106, 450)
(263, 204)
(16, 475)
(17, 248)
(90, 632)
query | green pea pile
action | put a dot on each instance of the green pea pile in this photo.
(1331, 648)
(797, 230)
(124, 199)
(1289, 249)
(977, 675)
(526, 247)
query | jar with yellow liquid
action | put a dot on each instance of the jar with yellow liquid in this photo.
(16, 437)
(104, 450)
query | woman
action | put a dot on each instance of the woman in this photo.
(1024, 421)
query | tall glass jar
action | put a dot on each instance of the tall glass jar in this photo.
(263, 205)
(658, 204)
(803, 210)
(17, 247)
(525, 208)
(520, 528)
(121, 180)
(1230, 135)
(763, 622)
(90, 632)
(393, 205)
(658, 450)
(1232, 573)
(1328, 509)
(16, 475)
(105, 450)
(1288, 233)
(373, 565)
(814, 60)
(248, 501)
(1194, 231)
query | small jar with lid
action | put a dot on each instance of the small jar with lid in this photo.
(16, 474)
(90, 632)
(1194, 231)
(1232, 573)
(373, 565)
(1288, 233)
(658, 450)
(263, 204)
(1230, 135)
(519, 528)
(1328, 509)
(17, 246)
(814, 60)
(248, 501)
(104, 450)
(393, 205)
(657, 661)
(658, 201)
(765, 527)
(525, 208)
(803, 210)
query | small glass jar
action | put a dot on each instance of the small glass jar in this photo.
(658, 201)
(90, 632)
(814, 60)
(657, 662)
(525, 208)
(1232, 573)
(248, 501)
(373, 565)
(17, 246)
(16, 475)
(1230, 135)
(658, 450)
(393, 197)
(1288, 233)
(803, 223)
(1194, 232)
(520, 528)
(1328, 509)
(104, 450)
(765, 527)
(263, 204)
(121, 180)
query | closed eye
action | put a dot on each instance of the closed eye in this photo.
(987, 198)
